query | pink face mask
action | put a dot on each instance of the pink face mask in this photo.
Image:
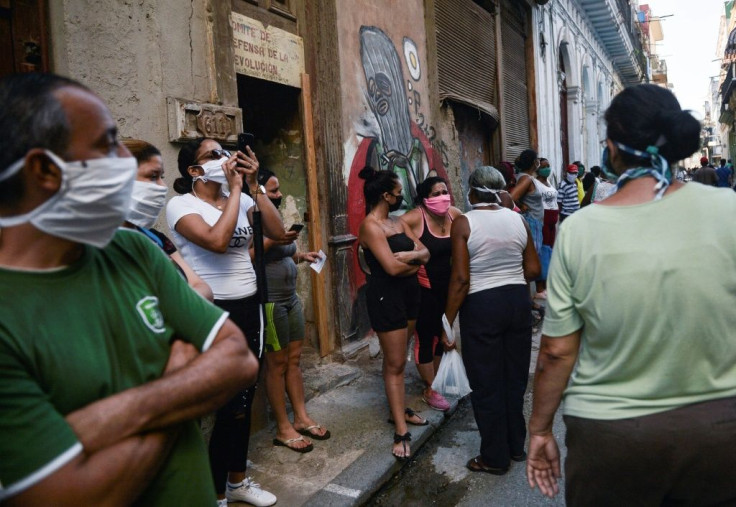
(438, 205)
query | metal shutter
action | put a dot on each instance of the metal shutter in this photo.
(466, 54)
(515, 94)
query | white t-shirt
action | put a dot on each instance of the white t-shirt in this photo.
(549, 195)
(496, 245)
(230, 274)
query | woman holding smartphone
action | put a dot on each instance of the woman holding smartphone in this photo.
(213, 229)
(285, 332)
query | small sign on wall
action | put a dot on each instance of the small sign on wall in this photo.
(267, 52)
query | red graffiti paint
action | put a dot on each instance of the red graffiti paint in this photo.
(356, 201)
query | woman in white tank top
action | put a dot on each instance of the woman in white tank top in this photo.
(493, 258)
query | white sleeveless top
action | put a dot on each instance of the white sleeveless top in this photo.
(496, 244)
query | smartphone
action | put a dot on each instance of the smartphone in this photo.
(245, 139)
(296, 227)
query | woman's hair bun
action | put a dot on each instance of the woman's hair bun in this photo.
(682, 131)
(367, 173)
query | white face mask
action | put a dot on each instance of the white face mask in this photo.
(92, 202)
(571, 177)
(213, 171)
(148, 201)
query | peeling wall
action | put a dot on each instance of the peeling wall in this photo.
(386, 108)
(134, 54)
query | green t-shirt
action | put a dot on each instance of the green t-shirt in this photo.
(73, 336)
(653, 287)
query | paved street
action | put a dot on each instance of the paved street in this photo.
(438, 476)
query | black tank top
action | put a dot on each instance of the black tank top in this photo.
(440, 251)
(397, 243)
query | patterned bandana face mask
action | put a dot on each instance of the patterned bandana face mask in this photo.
(659, 167)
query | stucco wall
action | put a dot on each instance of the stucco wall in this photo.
(386, 107)
(134, 54)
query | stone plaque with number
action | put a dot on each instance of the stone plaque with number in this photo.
(189, 119)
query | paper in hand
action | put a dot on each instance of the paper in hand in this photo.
(319, 263)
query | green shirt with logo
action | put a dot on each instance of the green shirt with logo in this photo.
(72, 336)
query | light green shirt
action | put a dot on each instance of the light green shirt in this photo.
(653, 287)
(73, 336)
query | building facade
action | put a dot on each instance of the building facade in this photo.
(586, 52)
(420, 87)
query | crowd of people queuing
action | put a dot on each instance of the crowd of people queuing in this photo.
(158, 333)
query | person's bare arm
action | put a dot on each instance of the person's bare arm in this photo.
(556, 360)
(413, 218)
(372, 237)
(193, 390)
(455, 212)
(215, 238)
(273, 227)
(418, 256)
(460, 273)
(289, 237)
(193, 279)
(530, 260)
(112, 476)
(523, 187)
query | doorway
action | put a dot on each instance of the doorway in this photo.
(23, 37)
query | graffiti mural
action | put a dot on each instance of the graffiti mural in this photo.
(393, 132)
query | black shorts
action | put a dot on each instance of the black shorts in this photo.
(392, 302)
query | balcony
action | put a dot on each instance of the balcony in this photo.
(659, 71)
(614, 24)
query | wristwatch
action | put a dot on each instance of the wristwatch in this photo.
(260, 189)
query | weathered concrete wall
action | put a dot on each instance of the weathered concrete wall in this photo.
(134, 54)
(385, 104)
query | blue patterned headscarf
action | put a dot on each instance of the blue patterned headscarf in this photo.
(659, 167)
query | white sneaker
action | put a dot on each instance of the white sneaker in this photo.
(222, 503)
(250, 492)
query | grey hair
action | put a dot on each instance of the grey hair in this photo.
(487, 181)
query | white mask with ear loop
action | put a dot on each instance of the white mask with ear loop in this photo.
(91, 203)
(148, 201)
(213, 171)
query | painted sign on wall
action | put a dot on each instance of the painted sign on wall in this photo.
(266, 52)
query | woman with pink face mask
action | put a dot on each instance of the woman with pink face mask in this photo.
(430, 221)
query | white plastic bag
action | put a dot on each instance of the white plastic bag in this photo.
(451, 379)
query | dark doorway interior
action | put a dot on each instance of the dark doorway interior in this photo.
(271, 114)
(564, 140)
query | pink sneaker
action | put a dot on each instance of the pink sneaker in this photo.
(436, 401)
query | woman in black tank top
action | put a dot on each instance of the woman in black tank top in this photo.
(431, 221)
(393, 255)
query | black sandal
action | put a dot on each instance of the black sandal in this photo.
(411, 413)
(406, 437)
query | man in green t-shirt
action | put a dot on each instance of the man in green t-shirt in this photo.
(106, 355)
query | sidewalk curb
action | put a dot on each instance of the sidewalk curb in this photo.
(360, 481)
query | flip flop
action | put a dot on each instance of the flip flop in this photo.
(307, 432)
(477, 465)
(411, 413)
(287, 443)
